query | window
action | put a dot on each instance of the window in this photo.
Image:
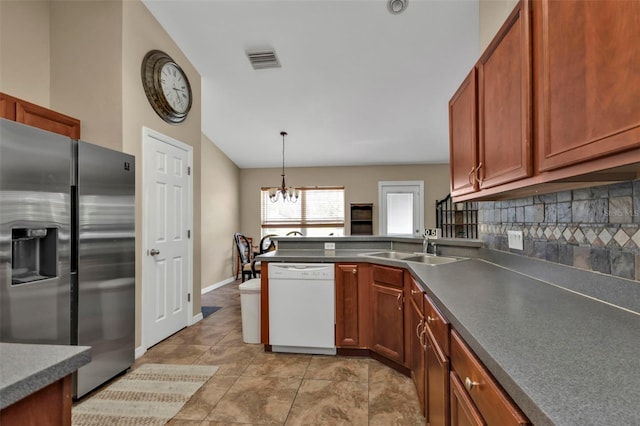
(319, 212)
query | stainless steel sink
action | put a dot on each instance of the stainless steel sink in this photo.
(429, 259)
(397, 255)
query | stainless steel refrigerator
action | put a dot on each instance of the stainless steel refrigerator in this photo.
(67, 248)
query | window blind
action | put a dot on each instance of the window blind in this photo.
(317, 207)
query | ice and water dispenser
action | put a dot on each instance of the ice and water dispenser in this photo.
(34, 254)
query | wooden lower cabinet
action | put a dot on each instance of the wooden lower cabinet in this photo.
(479, 389)
(347, 307)
(387, 313)
(437, 378)
(49, 406)
(463, 411)
(416, 349)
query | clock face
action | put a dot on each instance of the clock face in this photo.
(166, 86)
(174, 87)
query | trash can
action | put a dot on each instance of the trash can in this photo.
(250, 310)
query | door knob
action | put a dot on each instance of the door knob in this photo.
(154, 252)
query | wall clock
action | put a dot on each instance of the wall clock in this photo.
(166, 86)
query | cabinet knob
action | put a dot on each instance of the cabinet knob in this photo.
(414, 291)
(431, 319)
(355, 271)
(470, 384)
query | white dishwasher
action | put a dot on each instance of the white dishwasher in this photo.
(302, 308)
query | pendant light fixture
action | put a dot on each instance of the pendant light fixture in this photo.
(289, 193)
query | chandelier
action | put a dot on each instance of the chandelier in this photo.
(289, 193)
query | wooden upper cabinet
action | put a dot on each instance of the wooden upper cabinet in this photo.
(463, 137)
(505, 103)
(587, 79)
(34, 115)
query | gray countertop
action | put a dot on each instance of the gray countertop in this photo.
(565, 358)
(26, 368)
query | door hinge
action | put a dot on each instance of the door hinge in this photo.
(189, 171)
(188, 233)
(188, 297)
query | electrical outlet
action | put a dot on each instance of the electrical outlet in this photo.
(329, 246)
(516, 240)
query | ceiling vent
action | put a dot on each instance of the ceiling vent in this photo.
(263, 59)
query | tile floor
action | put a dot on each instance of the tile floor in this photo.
(256, 387)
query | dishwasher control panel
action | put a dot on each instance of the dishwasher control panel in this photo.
(307, 271)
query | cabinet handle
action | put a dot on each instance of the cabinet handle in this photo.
(423, 341)
(477, 177)
(469, 384)
(471, 176)
(418, 333)
(399, 301)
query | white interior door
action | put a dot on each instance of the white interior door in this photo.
(401, 208)
(167, 275)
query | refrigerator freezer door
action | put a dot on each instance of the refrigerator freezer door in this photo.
(106, 263)
(35, 289)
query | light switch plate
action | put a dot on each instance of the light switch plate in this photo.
(329, 246)
(516, 240)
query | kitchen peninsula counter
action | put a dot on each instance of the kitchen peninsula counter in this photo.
(26, 368)
(565, 358)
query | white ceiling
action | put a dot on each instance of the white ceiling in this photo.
(357, 86)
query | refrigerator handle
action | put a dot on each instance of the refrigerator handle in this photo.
(74, 230)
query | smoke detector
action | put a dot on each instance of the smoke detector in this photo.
(261, 59)
(397, 6)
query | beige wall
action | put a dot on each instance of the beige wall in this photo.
(493, 13)
(220, 213)
(86, 67)
(361, 186)
(83, 58)
(24, 43)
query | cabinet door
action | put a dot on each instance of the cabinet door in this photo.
(437, 392)
(587, 79)
(417, 355)
(504, 97)
(463, 411)
(463, 137)
(387, 309)
(347, 334)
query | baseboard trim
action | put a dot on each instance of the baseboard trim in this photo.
(140, 350)
(217, 285)
(196, 318)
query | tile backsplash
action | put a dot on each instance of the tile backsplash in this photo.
(594, 228)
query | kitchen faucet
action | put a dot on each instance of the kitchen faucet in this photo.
(425, 246)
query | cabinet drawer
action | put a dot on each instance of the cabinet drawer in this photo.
(494, 404)
(417, 295)
(391, 276)
(437, 324)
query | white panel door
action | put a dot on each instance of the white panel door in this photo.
(167, 259)
(401, 208)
